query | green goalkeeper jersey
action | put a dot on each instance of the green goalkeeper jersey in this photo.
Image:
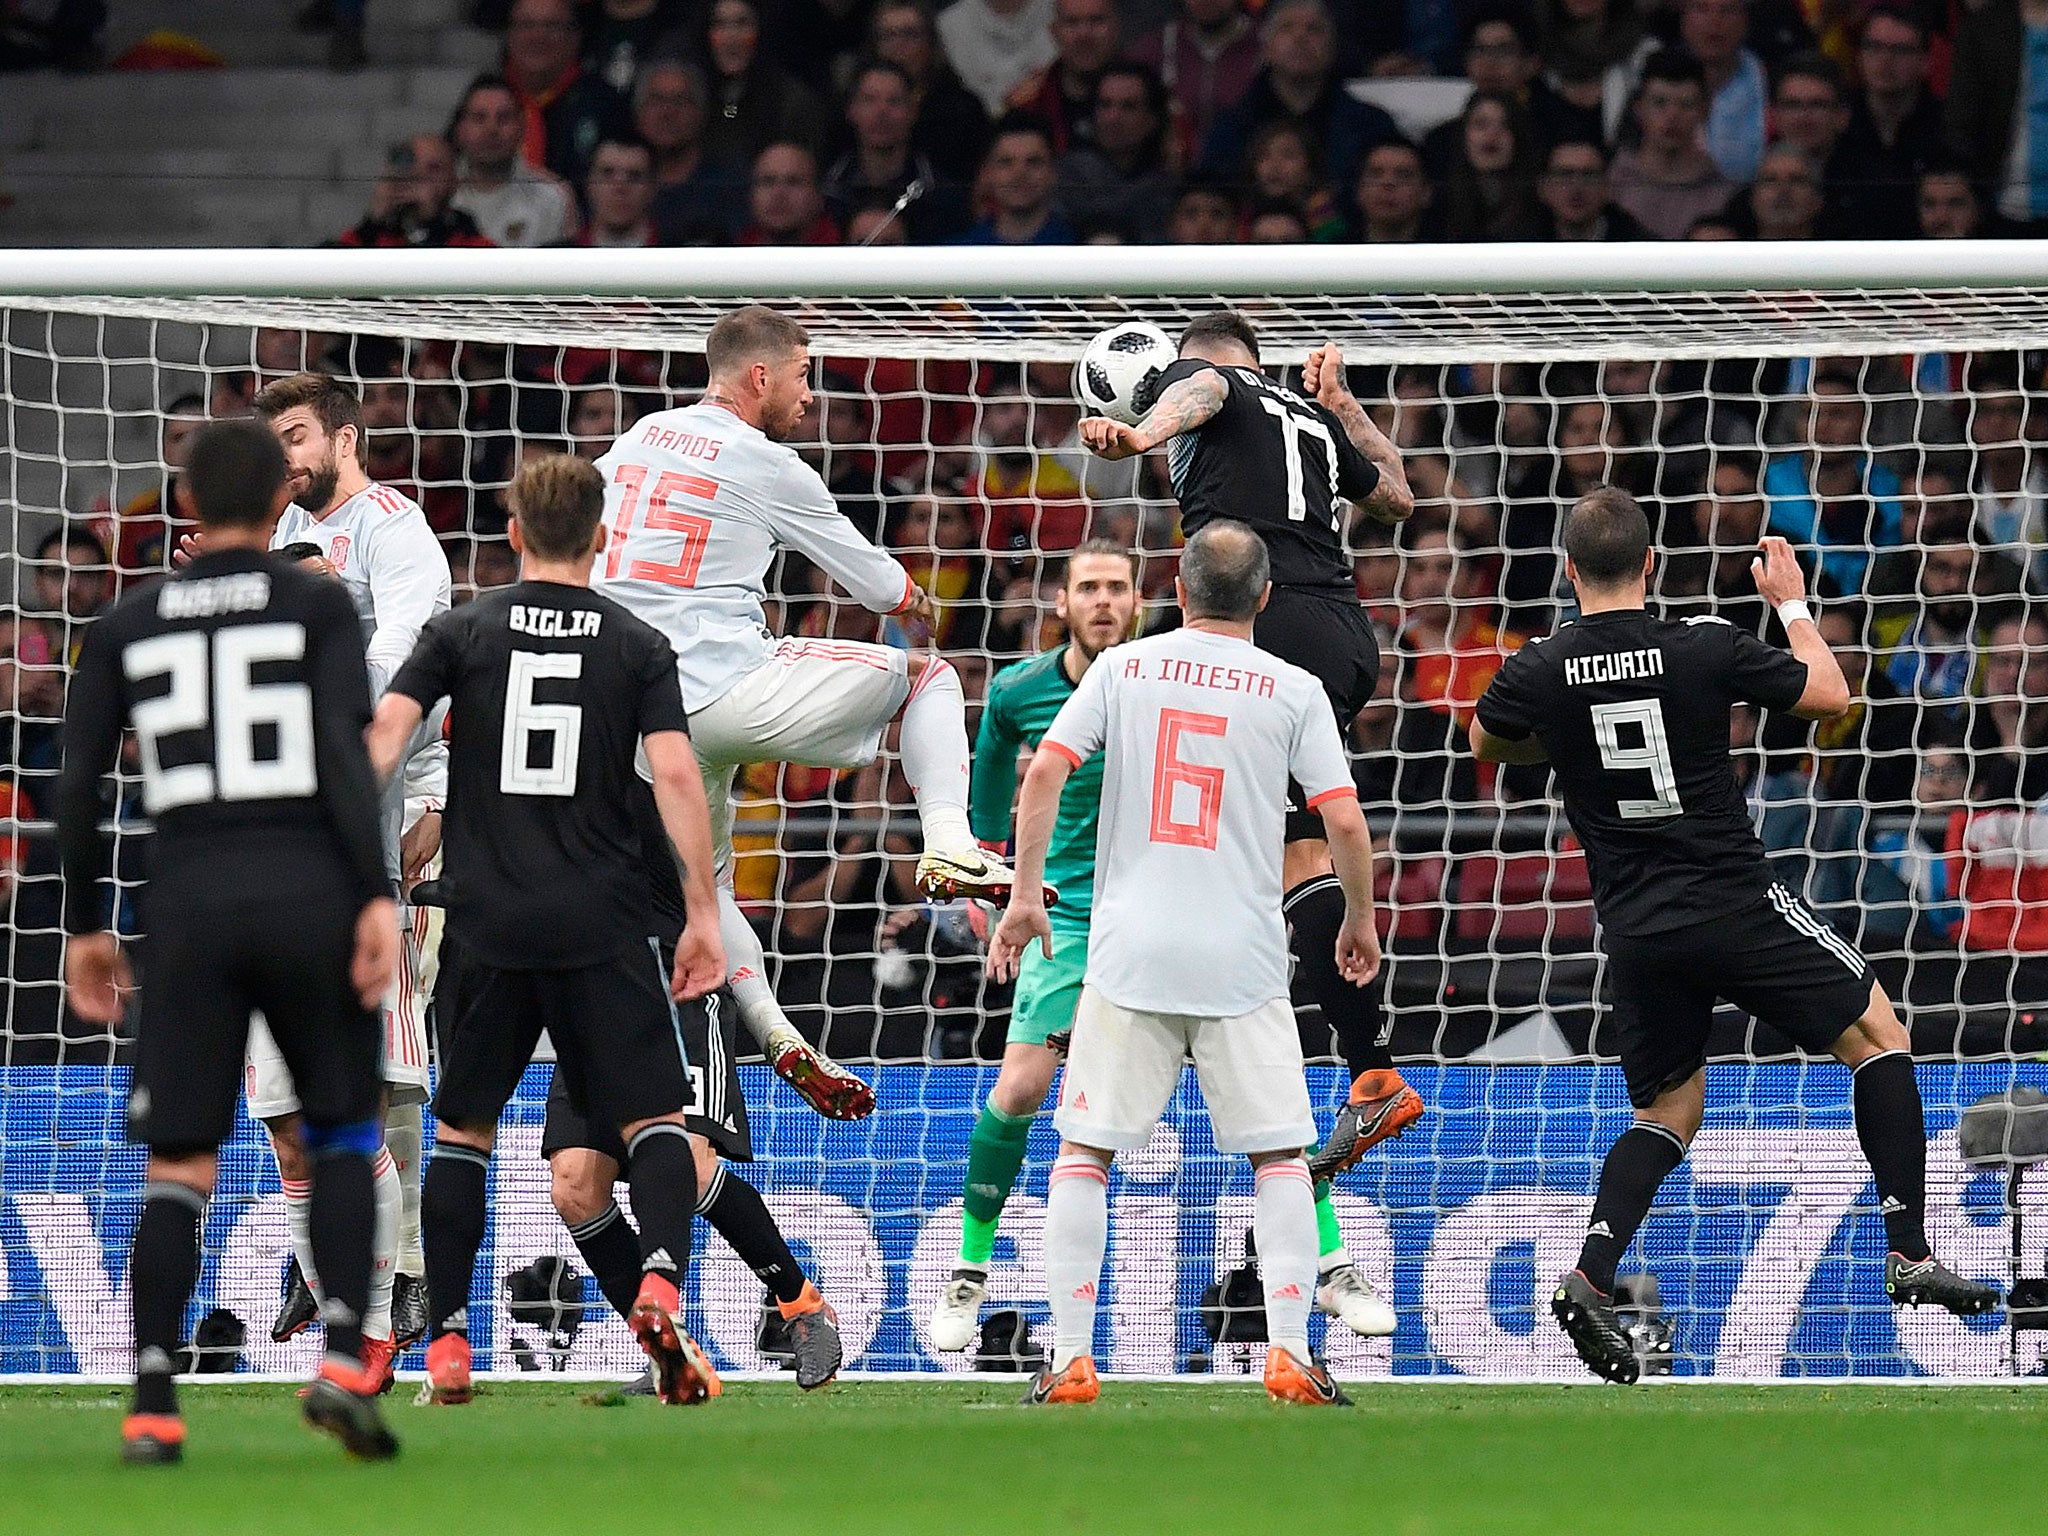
(1022, 700)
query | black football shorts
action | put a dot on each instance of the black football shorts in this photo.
(1330, 636)
(1774, 959)
(717, 1112)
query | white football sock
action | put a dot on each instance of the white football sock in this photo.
(1076, 1237)
(746, 970)
(402, 1141)
(383, 1246)
(934, 746)
(1284, 1223)
(298, 1219)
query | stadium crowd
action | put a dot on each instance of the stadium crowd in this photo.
(1917, 487)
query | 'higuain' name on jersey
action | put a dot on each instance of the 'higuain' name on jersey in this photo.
(1614, 667)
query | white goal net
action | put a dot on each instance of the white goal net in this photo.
(1881, 406)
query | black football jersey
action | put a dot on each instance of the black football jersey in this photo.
(243, 679)
(1634, 714)
(1275, 460)
(550, 690)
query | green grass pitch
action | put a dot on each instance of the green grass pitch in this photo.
(964, 1459)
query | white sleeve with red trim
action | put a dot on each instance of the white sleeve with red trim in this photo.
(409, 584)
(1317, 762)
(802, 515)
(1081, 727)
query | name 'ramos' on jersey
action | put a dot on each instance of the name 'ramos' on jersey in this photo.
(1633, 712)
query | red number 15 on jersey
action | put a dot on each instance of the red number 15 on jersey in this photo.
(1170, 773)
(662, 517)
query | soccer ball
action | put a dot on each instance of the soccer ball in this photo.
(1119, 373)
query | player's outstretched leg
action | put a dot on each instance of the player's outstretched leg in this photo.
(453, 1214)
(1284, 1222)
(301, 1305)
(403, 1140)
(662, 1173)
(995, 1156)
(738, 1214)
(343, 1398)
(1892, 1131)
(1076, 1238)
(1341, 1291)
(163, 1265)
(818, 1080)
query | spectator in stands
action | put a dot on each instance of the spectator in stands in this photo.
(1666, 180)
(1394, 197)
(1207, 55)
(1275, 223)
(755, 102)
(1785, 202)
(1588, 49)
(786, 204)
(952, 127)
(1018, 179)
(936, 540)
(621, 36)
(619, 192)
(2000, 66)
(477, 566)
(1715, 33)
(1713, 575)
(1829, 490)
(1908, 889)
(597, 417)
(73, 583)
(1031, 496)
(2008, 713)
(1577, 199)
(1281, 172)
(1489, 190)
(882, 165)
(1087, 35)
(1299, 84)
(411, 203)
(1446, 646)
(2003, 841)
(693, 194)
(1501, 60)
(2009, 479)
(1207, 212)
(511, 202)
(1931, 647)
(564, 110)
(144, 534)
(874, 221)
(1948, 207)
(1895, 126)
(1809, 112)
(1121, 172)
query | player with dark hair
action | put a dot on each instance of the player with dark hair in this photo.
(1240, 446)
(243, 679)
(1632, 714)
(553, 690)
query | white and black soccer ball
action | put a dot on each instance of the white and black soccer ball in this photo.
(1119, 373)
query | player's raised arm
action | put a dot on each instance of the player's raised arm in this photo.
(1322, 376)
(802, 514)
(1181, 407)
(409, 584)
(686, 817)
(1025, 918)
(1781, 583)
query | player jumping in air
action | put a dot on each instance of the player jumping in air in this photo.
(1200, 733)
(1631, 712)
(1098, 603)
(243, 679)
(698, 501)
(553, 690)
(1240, 446)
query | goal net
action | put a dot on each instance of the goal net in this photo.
(1879, 405)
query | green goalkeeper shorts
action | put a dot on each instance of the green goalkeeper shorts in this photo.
(1048, 991)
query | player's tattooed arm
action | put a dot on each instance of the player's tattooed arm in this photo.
(1182, 407)
(1391, 501)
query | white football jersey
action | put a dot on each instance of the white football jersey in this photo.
(381, 548)
(1200, 733)
(696, 504)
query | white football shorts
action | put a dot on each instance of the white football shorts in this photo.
(1124, 1065)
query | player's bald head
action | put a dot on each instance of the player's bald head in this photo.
(1223, 572)
(1607, 537)
(754, 334)
(236, 475)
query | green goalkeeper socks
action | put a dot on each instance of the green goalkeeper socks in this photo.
(995, 1153)
(1329, 1238)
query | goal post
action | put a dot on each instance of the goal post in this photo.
(1879, 402)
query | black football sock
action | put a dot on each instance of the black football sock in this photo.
(1636, 1165)
(661, 1171)
(735, 1208)
(343, 1226)
(1315, 912)
(1893, 1135)
(610, 1245)
(163, 1266)
(452, 1215)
